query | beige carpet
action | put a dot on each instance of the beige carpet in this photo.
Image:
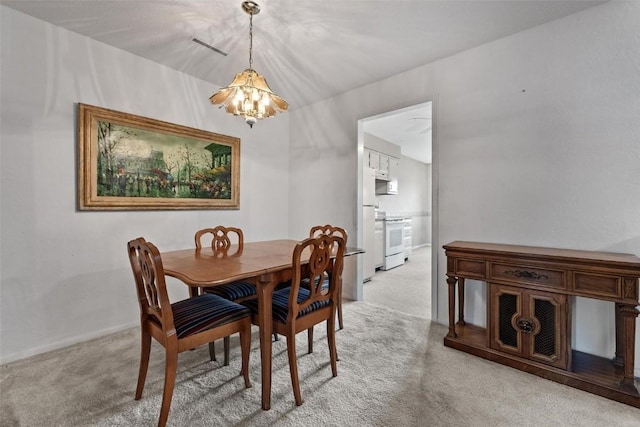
(406, 288)
(394, 371)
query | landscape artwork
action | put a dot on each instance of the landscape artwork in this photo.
(130, 162)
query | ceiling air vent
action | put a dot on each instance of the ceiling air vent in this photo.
(208, 46)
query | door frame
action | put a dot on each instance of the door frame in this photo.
(435, 243)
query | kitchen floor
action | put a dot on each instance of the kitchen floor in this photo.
(406, 288)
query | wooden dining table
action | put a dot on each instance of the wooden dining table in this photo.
(265, 264)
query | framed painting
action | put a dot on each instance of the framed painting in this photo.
(129, 162)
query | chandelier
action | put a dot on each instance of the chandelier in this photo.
(249, 94)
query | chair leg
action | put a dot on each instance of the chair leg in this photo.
(293, 366)
(245, 349)
(310, 340)
(333, 352)
(212, 351)
(227, 341)
(340, 311)
(170, 370)
(145, 350)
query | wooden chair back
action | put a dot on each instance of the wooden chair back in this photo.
(328, 230)
(222, 238)
(150, 283)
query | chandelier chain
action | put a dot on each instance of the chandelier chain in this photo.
(251, 40)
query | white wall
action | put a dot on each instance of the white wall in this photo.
(536, 139)
(65, 274)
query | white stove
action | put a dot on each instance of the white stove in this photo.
(393, 242)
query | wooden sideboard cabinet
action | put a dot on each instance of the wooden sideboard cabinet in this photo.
(530, 292)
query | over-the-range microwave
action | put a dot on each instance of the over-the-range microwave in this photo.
(387, 187)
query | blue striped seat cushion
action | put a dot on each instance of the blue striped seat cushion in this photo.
(325, 283)
(205, 312)
(280, 304)
(232, 291)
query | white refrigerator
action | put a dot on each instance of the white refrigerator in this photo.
(368, 221)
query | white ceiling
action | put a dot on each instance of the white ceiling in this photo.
(410, 128)
(308, 50)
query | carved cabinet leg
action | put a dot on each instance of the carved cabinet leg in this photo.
(451, 281)
(461, 301)
(618, 360)
(629, 314)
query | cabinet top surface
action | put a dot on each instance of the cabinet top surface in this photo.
(629, 260)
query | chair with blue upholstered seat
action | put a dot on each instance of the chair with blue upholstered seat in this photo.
(225, 241)
(332, 231)
(295, 309)
(329, 230)
(182, 325)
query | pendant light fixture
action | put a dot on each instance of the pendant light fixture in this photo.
(249, 94)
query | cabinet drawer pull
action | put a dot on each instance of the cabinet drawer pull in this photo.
(526, 274)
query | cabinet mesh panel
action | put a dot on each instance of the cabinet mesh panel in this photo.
(508, 305)
(545, 341)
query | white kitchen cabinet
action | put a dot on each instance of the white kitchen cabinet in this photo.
(393, 167)
(383, 169)
(374, 159)
(382, 163)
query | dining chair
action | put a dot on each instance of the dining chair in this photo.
(295, 308)
(182, 325)
(331, 231)
(222, 240)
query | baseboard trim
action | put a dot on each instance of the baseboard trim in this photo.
(12, 357)
(420, 246)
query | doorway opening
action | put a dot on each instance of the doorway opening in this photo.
(396, 148)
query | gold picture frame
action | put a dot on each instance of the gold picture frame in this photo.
(129, 162)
